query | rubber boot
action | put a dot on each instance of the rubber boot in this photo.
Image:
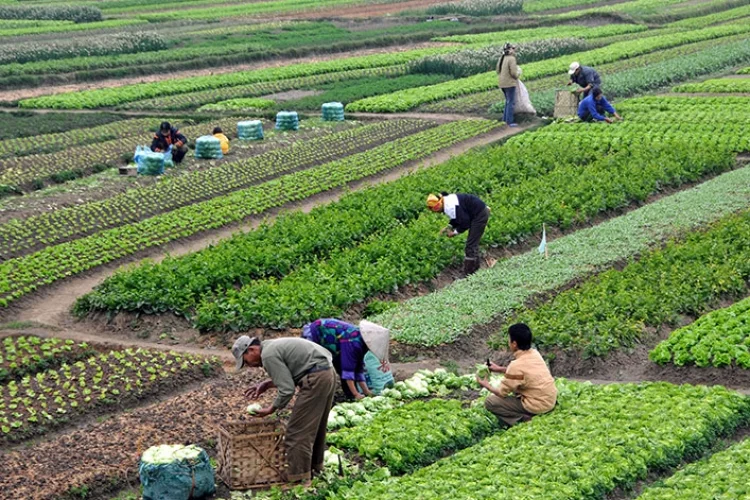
(470, 266)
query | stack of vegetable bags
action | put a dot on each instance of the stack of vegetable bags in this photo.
(208, 147)
(333, 112)
(287, 120)
(176, 472)
(250, 130)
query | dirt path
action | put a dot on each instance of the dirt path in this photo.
(52, 306)
(17, 94)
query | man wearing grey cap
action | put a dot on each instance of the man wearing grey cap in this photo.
(292, 363)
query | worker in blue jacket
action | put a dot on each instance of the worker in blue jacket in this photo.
(593, 107)
(466, 212)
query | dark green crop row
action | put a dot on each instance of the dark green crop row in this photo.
(19, 237)
(615, 308)
(416, 251)
(22, 275)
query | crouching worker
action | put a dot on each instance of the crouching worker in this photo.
(170, 136)
(291, 363)
(223, 139)
(348, 345)
(528, 388)
(465, 211)
(594, 106)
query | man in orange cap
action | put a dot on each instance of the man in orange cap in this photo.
(466, 212)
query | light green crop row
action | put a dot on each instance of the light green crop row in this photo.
(597, 439)
(718, 85)
(525, 35)
(128, 93)
(722, 476)
(63, 28)
(718, 17)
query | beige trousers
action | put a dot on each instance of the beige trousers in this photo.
(306, 430)
(508, 409)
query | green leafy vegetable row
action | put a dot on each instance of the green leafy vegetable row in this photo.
(23, 236)
(720, 85)
(38, 403)
(414, 252)
(119, 95)
(27, 172)
(720, 338)
(417, 433)
(525, 35)
(49, 143)
(597, 439)
(408, 99)
(26, 355)
(191, 100)
(723, 475)
(22, 275)
(450, 313)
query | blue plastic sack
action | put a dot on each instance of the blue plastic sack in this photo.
(188, 476)
(151, 163)
(377, 376)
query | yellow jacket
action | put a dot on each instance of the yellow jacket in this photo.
(529, 378)
(224, 142)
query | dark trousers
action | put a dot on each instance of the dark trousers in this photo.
(476, 230)
(179, 153)
(306, 431)
(510, 103)
(337, 366)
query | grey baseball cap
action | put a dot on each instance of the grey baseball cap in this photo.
(239, 348)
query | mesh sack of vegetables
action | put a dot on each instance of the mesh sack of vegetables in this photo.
(150, 163)
(333, 112)
(176, 472)
(208, 147)
(287, 120)
(250, 130)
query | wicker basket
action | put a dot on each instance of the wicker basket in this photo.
(252, 454)
(566, 104)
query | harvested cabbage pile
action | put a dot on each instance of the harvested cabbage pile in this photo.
(359, 412)
(168, 453)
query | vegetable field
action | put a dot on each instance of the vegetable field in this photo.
(624, 246)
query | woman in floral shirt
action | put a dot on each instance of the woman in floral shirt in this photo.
(348, 344)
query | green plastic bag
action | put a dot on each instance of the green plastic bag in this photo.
(176, 472)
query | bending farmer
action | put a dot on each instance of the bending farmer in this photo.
(348, 345)
(528, 388)
(508, 74)
(294, 362)
(594, 106)
(585, 76)
(170, 136)
(465, 211)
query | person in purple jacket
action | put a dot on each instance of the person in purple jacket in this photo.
(348, 344)
(466, 212)
(594, 106)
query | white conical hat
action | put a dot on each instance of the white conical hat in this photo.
(377, 338)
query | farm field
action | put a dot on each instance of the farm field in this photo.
(121, 292)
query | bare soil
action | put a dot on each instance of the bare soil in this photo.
(18, 94)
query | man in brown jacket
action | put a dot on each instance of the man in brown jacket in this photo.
(294, 363)
(528, 388)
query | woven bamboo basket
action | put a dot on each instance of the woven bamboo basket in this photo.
(566, 104)
(252, 454)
